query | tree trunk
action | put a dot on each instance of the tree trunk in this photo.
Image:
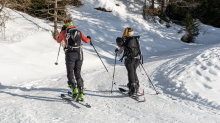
(3, 4)
(56, 33)
(153, 4)
(164, 5)
(144, 9)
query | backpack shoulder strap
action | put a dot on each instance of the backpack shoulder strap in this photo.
(141, 56)
(122, 57)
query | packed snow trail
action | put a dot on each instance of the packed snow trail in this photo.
(40, 101)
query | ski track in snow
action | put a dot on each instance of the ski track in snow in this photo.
(31, 101)
(169, 78)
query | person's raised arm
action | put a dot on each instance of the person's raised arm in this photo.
(61, 36)
(84, 39)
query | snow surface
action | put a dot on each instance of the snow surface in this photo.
(185, 75)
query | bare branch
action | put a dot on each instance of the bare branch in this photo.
(3, 4)
(4, 17)
(45, 10)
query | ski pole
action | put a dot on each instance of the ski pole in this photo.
(58, 55)
(150, 80)
(101, 59)
(114, 73)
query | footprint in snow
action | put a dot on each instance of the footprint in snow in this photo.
(217, 67)
(209, 64)
(207, 87)
(198, 73)
(213, 72)
(207, 78)
(203, 67)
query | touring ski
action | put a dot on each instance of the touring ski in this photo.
(135, 97)
(69, 97)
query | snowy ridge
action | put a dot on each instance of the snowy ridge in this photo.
(186, 75)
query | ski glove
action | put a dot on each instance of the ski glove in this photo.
(89, 37)
(116, 50)
(119, 51)
(90, 40)
(63, 28)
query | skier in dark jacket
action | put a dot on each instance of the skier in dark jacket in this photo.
(131, 61)
(74, 56)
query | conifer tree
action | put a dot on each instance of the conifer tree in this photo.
(191, 28)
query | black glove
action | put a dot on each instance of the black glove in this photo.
(89, 37)
(90, 40)
(63, 28)
(116, 50)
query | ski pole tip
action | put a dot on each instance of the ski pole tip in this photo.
(157, 93)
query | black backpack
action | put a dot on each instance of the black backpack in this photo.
(120, 41)
(131, 47)
(73, 38)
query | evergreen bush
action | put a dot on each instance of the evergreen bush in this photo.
(191, 28)
(207, 11)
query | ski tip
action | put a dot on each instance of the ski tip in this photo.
(88, 106)
(62, 95)
(142, 100)
(69, 92)
(122, 90)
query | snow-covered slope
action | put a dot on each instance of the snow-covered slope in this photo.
(185, 74)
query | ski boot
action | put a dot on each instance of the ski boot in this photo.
(74, 91)
(133, 89)
(80, 95)
(73, 87)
